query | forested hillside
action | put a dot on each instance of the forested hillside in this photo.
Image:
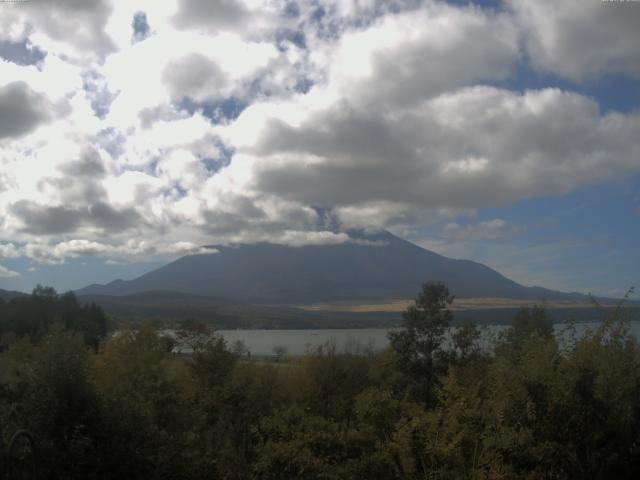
(126, 407)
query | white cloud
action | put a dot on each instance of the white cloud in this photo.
(75, 28)
(375, 214)
(466, 165)
(409, 57)
(212, 16)
(183, 64)
(581, 39)
(9, 250)
(298, 239)
(120, 253)
(114, 263)
(75, 248)
(471, 148)
(6, 273)
(374, 114)
(496, 229)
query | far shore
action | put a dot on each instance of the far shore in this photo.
(471, 303)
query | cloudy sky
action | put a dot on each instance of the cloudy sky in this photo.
(507, 132)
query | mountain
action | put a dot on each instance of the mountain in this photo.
(7, 295)
(373, 266)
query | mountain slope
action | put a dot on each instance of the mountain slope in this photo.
(378, 266)
(7, 295)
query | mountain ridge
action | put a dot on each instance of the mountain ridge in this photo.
(7, 295)
(370, 266)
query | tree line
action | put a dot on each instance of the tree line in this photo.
(432, 405)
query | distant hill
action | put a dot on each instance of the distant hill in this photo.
(7, 295)
(374, 266)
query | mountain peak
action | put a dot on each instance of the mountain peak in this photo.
(375, 265)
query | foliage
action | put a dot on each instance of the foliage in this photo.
(34, 316)
(439, 403)
(530, 321)
(48, 390)
(418, 346)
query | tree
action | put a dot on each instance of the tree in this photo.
(35, 315)
(418, 345)
(326, 382)
(143, 391)
(279, 351)
(194, 336)
(527, 322)
(53, 397)
(240, 348)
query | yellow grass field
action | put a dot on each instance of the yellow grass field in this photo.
(398, 305)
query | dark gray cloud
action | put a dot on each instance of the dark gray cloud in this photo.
(74, 190)
(344, 133)
(253, 218)
(43, 220)
(76, 22)
(210, 14)
(54, 220)
(365, 157)
(239, 214)
(113, 220)
(79, 182)
(89, 165)
(336, 184)
(78, 26)
(581, 40)
(194, 76)
(477, 147)
(21, 110)
(162, 112)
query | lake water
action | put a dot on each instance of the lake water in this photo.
(297, 342)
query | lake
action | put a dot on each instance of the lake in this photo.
(297, 342)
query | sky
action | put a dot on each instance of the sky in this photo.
(505, 132)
